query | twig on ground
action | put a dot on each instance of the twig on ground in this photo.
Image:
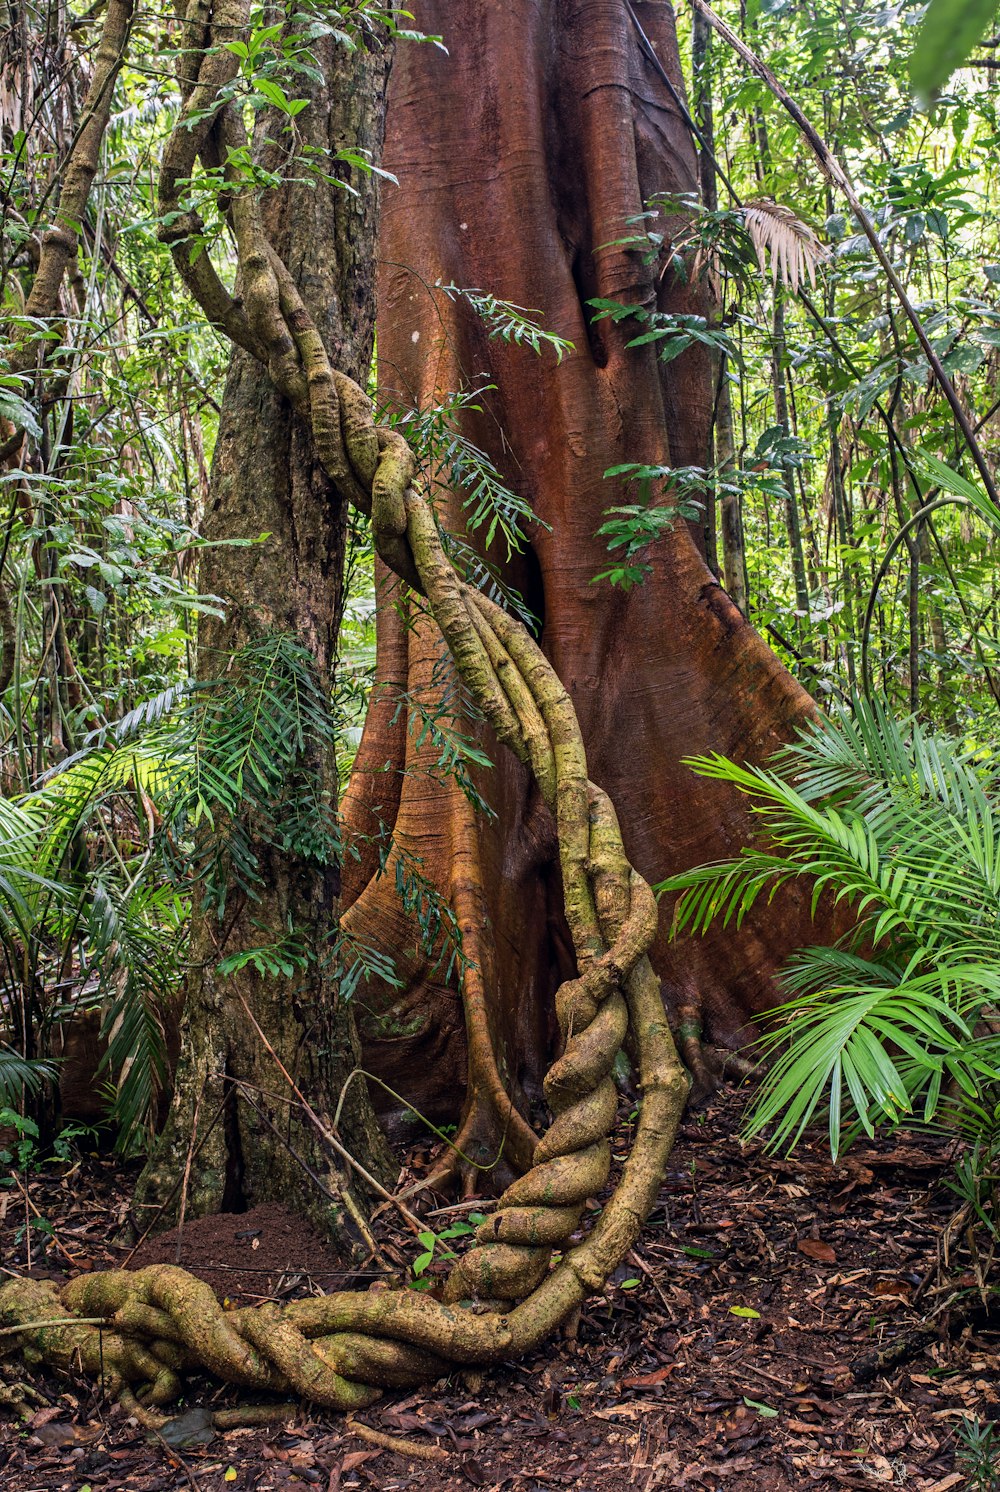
(641, 1264)
(333, 1196)
(12, 1331)
(176, 1456)
(769, 1377)
(248, 1416)
(73, 1259)
(398, 1443)
(905, 1348)
(158, 1212)
(477, 1204)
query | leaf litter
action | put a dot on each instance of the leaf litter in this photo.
(721, 1359)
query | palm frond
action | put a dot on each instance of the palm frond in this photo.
(902, 824)
(794, 249)
(866, 1052)
(18, 1076)
(130, 943)
(243, 758)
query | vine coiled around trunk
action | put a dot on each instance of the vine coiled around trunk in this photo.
(142, 1331)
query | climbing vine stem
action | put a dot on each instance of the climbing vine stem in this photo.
(505, 1294)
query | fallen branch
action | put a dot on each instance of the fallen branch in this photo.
(401, 1444)
(905, 1348)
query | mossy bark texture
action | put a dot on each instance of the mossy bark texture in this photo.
(237, 1133)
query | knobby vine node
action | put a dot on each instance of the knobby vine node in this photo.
(142, 1331)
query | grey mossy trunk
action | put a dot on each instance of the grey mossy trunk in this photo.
(266, 480)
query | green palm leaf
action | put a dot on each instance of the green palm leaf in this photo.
(900, 823)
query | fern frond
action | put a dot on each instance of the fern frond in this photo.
(509, 322)
(455, 462)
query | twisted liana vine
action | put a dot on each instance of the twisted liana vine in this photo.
(142, 1331)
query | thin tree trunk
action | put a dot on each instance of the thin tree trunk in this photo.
(734, 559)
(913, 620)
(730, 525)
(939, 644)
(845, 539)
(792, 524)
(792, 521)
(59, 242)
(237, 1134)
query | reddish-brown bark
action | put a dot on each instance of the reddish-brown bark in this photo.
(521, 156)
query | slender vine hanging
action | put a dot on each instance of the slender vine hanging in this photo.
(142, 1331)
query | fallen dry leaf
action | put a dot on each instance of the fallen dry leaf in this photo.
(650, 1380)
(46, 1416)
(357, 1458)
(60, 1432)
(815, 1248)
(897, 1288)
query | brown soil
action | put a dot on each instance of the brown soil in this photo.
(265, 1254)
(720, 1358)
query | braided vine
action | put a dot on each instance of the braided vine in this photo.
(142, 1331)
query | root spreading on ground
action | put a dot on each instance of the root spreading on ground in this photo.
(141, 1332)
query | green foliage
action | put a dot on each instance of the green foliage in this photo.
(19, 1076)
(437, 926)
(123, 785)
(453, 463)
(28, 1154)
(222, 767)
(356, 962)
(457, 752)
(229, 768)
(516, 324)
(978, 1453)
(253, 745)
(275, 960)
(434, 1249)
(22, 1157)
(901, 825)
(949, 31)
(15, 407)
(825, 529)
(632, 528)
(134, 937)
(671, 332)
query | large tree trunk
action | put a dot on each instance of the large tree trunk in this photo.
(267, 479)
(522, 155)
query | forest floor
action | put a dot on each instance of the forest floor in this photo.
(723, 1355)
